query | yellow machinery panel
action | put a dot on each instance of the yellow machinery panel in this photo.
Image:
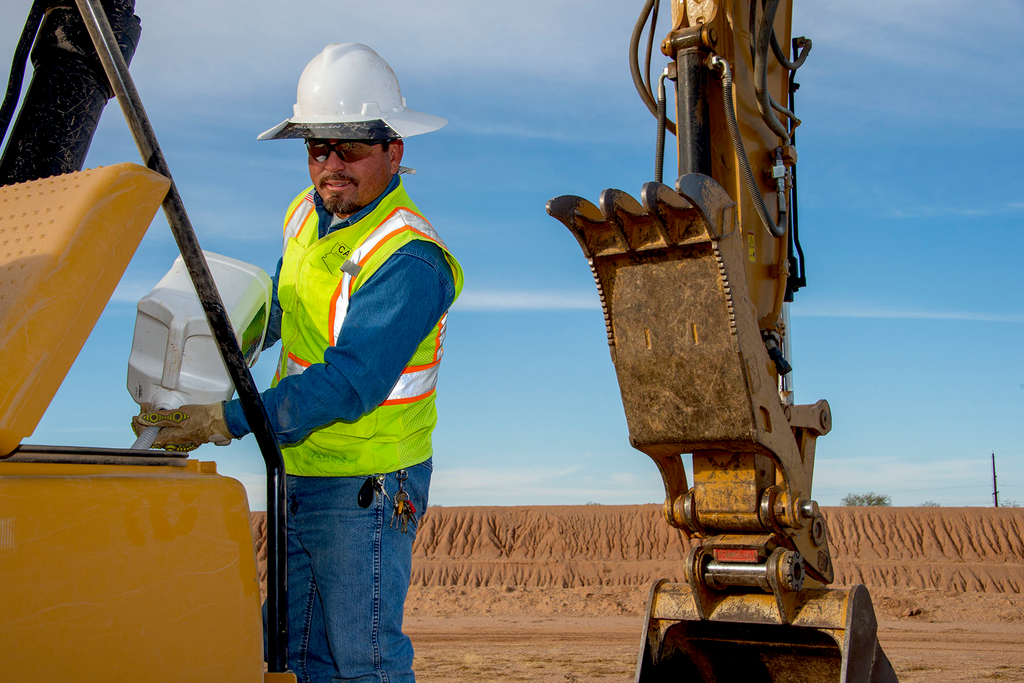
(64, 244)
(126, 573)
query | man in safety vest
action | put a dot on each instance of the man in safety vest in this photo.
(360, 307)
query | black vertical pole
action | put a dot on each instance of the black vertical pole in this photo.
(995, 491)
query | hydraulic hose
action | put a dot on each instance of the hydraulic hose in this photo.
(798, 277)
(741, 153)
(784, 111)
(803, 43)
(634, 64)
(764, 99)
(650, 46)
(659, 154)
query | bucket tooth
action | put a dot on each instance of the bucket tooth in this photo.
(640, 229)
(589, 225)
(673, 212)
(711, 201)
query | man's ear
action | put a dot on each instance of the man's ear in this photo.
(395, 151)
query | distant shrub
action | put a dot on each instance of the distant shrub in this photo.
(1009, 504)
(866, 499)
(930, 504)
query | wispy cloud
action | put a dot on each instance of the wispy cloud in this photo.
(130, 291)
(522, 300)
(856, 66)
(536, 486)
(470, 478)
(934, 211)
(255, 489)
(947, 480)
(474, 42)
(516, 130)
(926, 29)
(564, 485)
(866, 312)
(570, 486)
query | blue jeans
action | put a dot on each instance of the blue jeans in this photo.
(348, 575)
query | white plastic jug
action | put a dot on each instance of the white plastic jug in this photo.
(174, 358)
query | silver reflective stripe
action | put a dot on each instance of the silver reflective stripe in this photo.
(298, 219)
(341, 305)
(399, 220)
(293, 367)
(415, 384)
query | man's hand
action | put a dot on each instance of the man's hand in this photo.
(184, 428)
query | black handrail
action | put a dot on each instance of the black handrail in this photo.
(145, 139)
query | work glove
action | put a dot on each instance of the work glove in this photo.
(185, 428)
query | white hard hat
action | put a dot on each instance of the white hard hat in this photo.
(347, 92)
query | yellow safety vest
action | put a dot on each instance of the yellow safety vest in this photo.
(318, 277)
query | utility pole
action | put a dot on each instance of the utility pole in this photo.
(995, 491)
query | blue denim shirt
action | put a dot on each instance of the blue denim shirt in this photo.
(387, 318)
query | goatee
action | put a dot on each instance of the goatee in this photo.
(338, 204)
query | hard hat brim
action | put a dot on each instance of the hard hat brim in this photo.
(356, 130)
(401, 125)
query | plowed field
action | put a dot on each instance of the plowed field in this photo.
(558, 593)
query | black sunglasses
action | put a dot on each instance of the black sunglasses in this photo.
(347, 150)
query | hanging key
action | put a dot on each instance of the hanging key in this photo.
(403, 510)
(409, 515)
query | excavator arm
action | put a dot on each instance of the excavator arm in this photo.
(694, 282)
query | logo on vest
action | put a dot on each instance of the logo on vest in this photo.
(336, 257)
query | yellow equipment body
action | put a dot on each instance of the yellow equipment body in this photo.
(115, 564)
(126, 573)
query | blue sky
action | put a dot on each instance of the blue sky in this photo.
(911, 204)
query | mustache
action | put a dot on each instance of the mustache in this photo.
(328, 176)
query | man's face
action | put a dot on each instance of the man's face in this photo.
(347, 186)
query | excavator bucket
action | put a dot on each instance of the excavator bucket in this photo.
(697, 377)
(832, 638)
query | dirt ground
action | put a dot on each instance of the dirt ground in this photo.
(557, 594)
(927, 635)
(583, 649)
